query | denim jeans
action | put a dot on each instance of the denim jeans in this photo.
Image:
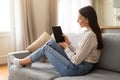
(58, 58)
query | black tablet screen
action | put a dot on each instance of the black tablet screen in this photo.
(57, 31)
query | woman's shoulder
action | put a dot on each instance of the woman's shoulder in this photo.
(90, 33)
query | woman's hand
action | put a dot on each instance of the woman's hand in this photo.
(64, 45)
(66, 39)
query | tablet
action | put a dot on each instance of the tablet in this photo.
(57, 31)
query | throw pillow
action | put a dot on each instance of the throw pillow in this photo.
(39, 42)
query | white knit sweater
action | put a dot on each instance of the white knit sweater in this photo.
(86, 50)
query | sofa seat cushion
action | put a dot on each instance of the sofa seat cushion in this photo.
(97, 74)
(38, 71)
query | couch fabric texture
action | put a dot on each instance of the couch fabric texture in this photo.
(108, 67)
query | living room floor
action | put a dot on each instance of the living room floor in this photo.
(3, 72)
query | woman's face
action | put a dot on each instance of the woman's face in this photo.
(83, 22)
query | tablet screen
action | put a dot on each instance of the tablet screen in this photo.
(57, 31)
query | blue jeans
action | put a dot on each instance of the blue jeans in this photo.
(58, 58)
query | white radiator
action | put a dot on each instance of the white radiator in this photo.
(5, 46)
(3, 59)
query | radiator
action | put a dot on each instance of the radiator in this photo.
(3, 59)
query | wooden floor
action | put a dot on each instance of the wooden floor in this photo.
(3, 72)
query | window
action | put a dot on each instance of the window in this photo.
(5, 16)
(68, 13)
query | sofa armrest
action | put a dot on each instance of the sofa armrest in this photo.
(18, 54)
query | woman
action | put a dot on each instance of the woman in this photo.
(67, 59)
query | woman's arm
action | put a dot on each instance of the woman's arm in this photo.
(85, 46)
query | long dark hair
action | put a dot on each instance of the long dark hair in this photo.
(89, 13)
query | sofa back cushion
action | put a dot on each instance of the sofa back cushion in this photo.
(110, 57)
(75, 38)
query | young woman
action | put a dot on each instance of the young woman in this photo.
(67, 59)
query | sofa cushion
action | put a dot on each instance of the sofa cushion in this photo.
(39, 42)
(110, 57)
(97, 74)
(75, 38)
(38, 71)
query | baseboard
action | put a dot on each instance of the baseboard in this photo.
(3, 59)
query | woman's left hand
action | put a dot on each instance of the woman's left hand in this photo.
(63, 44)
(66, 39)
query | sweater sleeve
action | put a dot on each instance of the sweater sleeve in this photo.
(72, 47)
(82, 50)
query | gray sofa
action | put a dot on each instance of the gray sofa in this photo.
(108, 67)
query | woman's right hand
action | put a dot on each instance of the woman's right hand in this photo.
(66, 39)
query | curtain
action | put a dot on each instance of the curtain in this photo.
(22, 23)
(67, 13)
(93, 3)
